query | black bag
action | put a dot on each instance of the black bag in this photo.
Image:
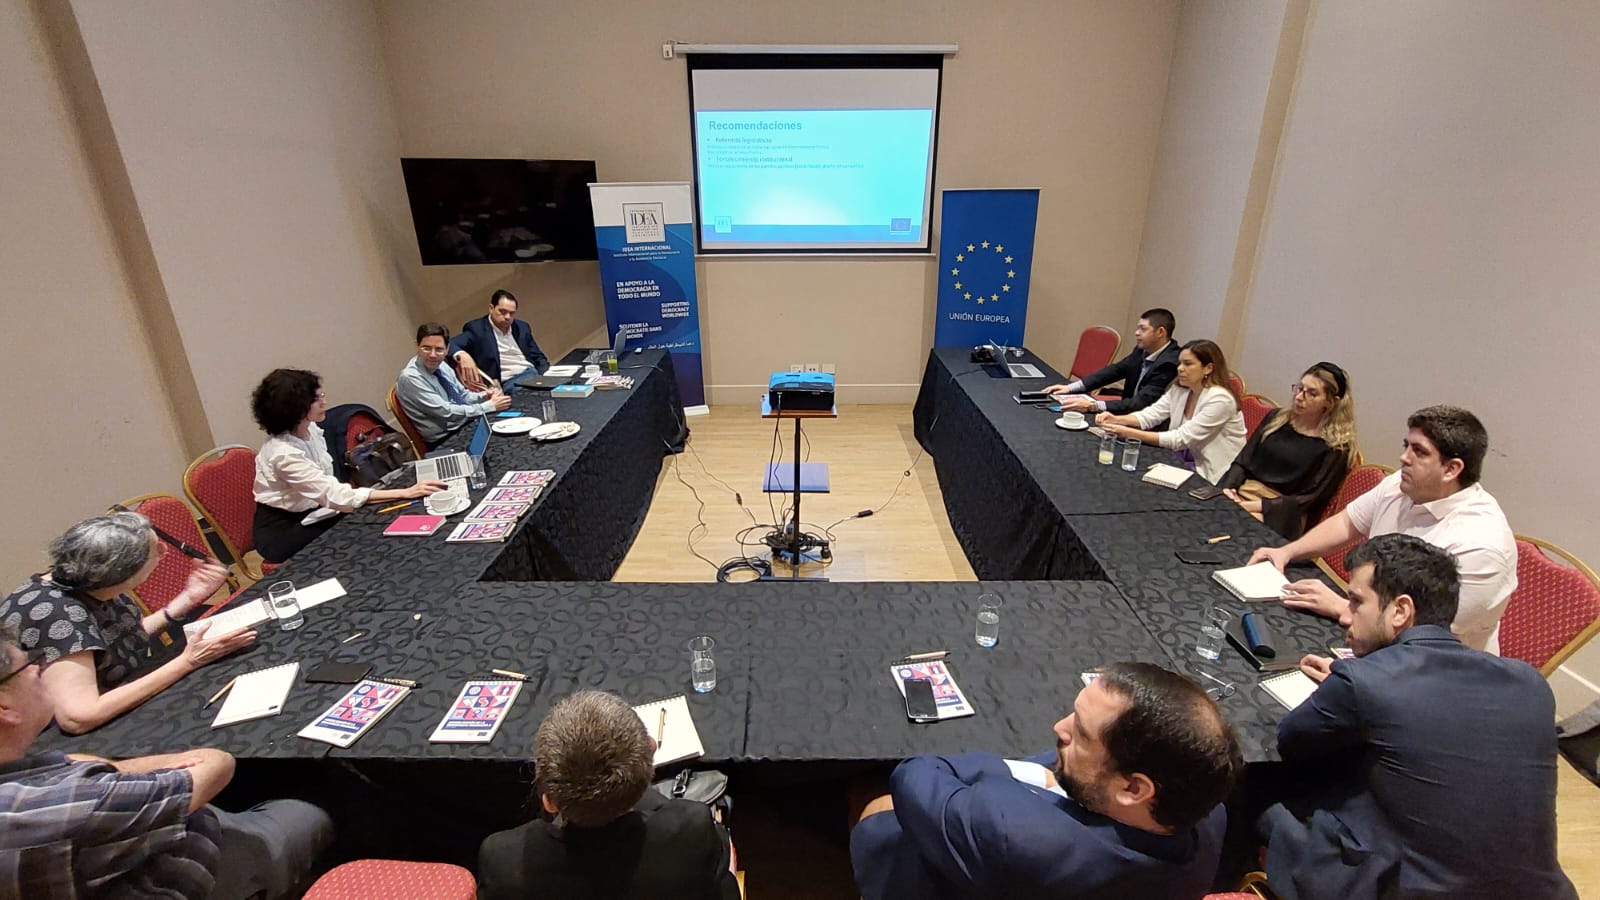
(706, 786)
(377, 454)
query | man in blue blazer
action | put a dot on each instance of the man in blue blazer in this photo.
(1145, 373)
(497, 345)
(1430, 767)
(1128, 805)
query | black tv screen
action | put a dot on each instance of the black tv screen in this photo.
(469, 211)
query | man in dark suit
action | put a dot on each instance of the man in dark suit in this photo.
(1429, 768)
(1128, 805)
(1145, 373)
(498, 345)
(611, 836)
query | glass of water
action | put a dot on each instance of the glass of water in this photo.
(1212, 628)
(284, 605)
(1130, 454)
(1108, 449)
(549, 410)
(702, 667)
(987, 633)
(480, 475)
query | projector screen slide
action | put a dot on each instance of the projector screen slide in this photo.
(807, 156)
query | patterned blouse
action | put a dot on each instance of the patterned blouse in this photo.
(65, 622)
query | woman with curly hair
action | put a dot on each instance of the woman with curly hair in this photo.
(1295, 462)
(297, 497)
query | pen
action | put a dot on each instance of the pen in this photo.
(930, 655)
(661, 727)
(398, 682)
(510, 674)
(1219, 538)
(221, 692)
(389, 509)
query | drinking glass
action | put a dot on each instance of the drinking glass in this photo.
(702, 667)
(987, 633)
(284, 605)
(480, 475)
(1130, 455)
(549, 410)
(1108, 449)
(1212, 628)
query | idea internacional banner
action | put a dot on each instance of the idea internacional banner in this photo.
(645, 234)
(985, 260)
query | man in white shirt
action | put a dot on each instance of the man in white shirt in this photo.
(431, 395)
(1435, 496)
(497, 345)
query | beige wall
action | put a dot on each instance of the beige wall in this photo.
(86, 421)
(1065, 96)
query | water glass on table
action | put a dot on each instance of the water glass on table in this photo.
(284, 604)
(1108, 449)
(1212, 628)
(549, 410)
(702, 667)
(1130, 454)
(480, 475)
(987, 633)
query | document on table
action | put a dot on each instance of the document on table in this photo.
(256, 695)
(249, 615)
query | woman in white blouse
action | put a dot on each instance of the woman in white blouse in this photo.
(1201, 409)
(297, 497)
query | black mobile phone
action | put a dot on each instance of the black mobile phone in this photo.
(920, 705)
(1200, 557)
(1206, 492)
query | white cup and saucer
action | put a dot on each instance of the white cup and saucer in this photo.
(1072, 420)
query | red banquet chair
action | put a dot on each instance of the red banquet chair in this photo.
(1096, 347)
(1255, 408)
(386, 879)
(174, 517)
(1237, 382)
(1357, 481)
(221, 484)
(1555, 608)
(418, 445)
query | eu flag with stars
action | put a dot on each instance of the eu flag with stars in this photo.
(985, 257)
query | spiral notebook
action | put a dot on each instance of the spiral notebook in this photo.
(1290, 688)
(256, 695)
(670, 724)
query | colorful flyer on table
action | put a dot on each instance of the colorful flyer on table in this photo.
(480, 531)
(952, 704)
(527, 477)
(477, 713)
(489, 511)
(355, 713)
(526, 494)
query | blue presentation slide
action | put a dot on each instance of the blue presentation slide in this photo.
(813, 176)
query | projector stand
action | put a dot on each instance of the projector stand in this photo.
(794, 523)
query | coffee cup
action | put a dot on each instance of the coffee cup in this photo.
(1072, 419)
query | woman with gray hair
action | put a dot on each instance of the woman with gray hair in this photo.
(103, 656)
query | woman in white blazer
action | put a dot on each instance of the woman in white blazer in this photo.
(1201, 409)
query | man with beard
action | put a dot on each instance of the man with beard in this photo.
(1127, 805)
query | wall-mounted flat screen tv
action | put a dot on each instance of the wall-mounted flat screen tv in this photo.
(469, 211)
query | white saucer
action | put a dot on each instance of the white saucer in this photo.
(554, 431)
(1083, 426)
(446, 503)
(519, 425)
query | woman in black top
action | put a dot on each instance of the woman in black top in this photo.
(1294, 463)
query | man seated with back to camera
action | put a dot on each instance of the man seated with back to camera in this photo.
(1435, 496)
(1422, 768)
(1144, 373)
(499, 345)
(77, 826)
(432, 397)
(1127, 805)
(611, 835)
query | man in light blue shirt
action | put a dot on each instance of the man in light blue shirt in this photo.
(430, 394)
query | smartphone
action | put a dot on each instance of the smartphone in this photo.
(1341, 652)
(1206, 492)
(920, 705)
(1097, 431)
(1200, 557)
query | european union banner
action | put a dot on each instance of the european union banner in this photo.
(645, 234)
(985, 258)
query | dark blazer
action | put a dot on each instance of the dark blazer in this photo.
(477, 338)
(962, 826)
(1136, 394)
(663, 848)
(1447, 784)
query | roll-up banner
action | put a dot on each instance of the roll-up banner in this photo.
(985, 259)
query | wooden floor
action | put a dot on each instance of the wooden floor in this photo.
(907, 538)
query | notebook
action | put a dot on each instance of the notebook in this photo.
(1167, 476)
(670, 724)
(478, 532)
(254, 612)
(256, 695)
(355, 713)
(420, 525)
(477, 713)
(1253, 584)
(1290, 688)
(489, 511)
(527, 478)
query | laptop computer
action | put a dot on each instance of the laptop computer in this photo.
(1010, 369)
(595, 357)
(455, 465)
(533, 381)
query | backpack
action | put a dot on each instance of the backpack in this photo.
(378, 453)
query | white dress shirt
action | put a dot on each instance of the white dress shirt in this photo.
(1214, 435)
(1469, 526)
(512, 362)
(297, 475)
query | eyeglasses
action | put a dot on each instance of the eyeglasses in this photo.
(36, 658)
(1221, 690)
(1297, 389)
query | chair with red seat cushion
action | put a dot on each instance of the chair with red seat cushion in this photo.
(1555, 608)
(384, 879)
(1237, 382)
(360, 425)
(1097, 346)
(1255, 409)
(173, 516)
(221, 484)
(418, 445)
(1356, 482)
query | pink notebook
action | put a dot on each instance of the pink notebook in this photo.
(417, 525)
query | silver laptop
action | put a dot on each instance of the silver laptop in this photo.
(1011, 369)
(456, 465)
(617, 347)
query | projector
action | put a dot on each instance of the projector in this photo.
(794, 391)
